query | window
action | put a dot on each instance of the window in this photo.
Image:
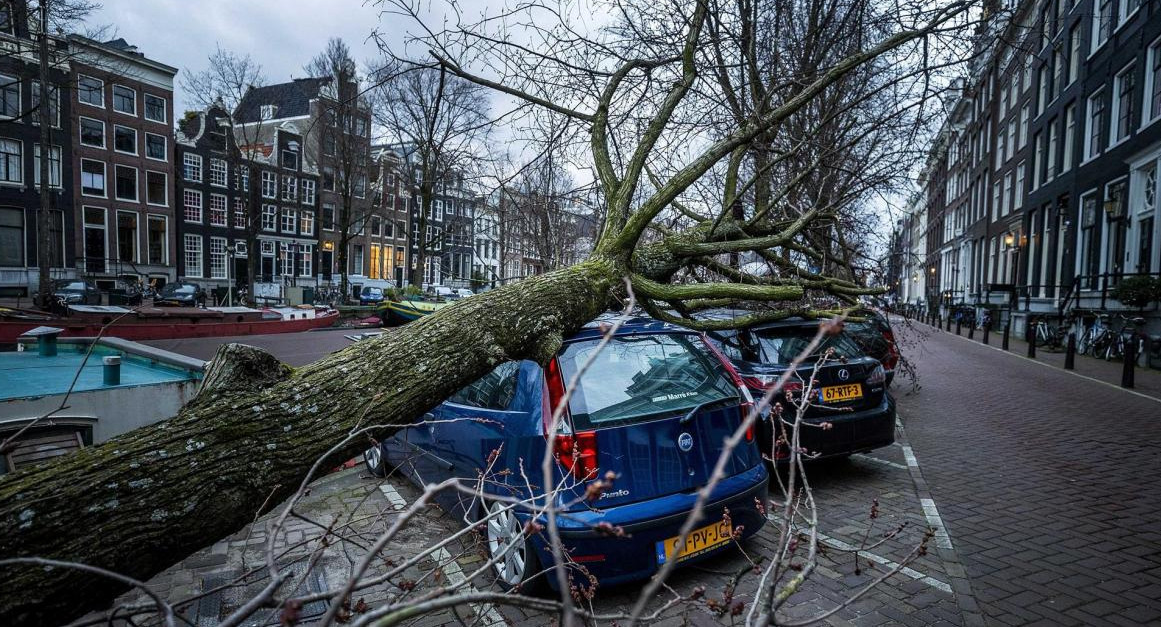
(1020, 187)
(192, 167)
(217, 172)
(360, 189)
(127, 236)
(1073, 54)
(92, 178)
(269, 217)
(239, 214)
(125, 139)
(158, 240)
(328, 216)
(53, 165)
(193, 205)
(53, 107)
(156, 188)
(124, 100)
(306, 223)
(268, 111)
(126, 183)
(289, 220)
(290, 159)
(1102, 22)
(193, 256)
(218, 210)
(1069, 137)
(305, 260)
(1122, 106)
(242, 176)
(9, 97)
(1153, 83)
(1096, 116)
(1045, 77)
(329, 144)
(328, 179)
(217, 257)
(361, 127)
(155, 147)
(92, 133)
(387, 228)
(154, 108)
(376, 225)
(269, 185)
(307, 192)
(91, 91)
(1126, 9)
(289, 188)
(1051, 154)
(11, 161)
(1025, 118)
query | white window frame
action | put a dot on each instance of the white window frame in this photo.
(114, 100)
(125, 152)
(104, 132)
(164, 146)
(219, 256)
(289, 188)
(306, 222)
(1090, 151)
(136, 238)
(145, 108)
(53, 182)
(136, 183)
(218, 167)
(165, 178)
(10, 81)
(289, 220)
(1149, 114)
(239, 214)
(101, 90)
(1125, 73)
(186, 250)
(1069, 138)
(149, 217)
(186, 205)
(224, 201)
(192, 160)
(308, 192)
(269, 181)
(19, 169)
(270, 218)
(34, 93)
(104, 176)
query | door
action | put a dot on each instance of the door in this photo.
(95, 241)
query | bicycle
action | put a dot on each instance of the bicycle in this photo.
(1129, 332)
(1095, 338)
(1044, 334)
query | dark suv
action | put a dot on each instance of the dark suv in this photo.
(850, 391)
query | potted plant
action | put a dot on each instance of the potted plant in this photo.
(1137, 291)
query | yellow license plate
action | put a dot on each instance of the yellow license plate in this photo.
(697, 542)
(838, 393)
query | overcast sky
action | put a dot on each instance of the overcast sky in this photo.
(281, 35)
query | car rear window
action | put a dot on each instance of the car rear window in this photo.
(637, 376)
(780, 345)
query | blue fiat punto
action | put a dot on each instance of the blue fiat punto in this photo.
(652, 411)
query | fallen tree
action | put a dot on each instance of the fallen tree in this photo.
(145, 500)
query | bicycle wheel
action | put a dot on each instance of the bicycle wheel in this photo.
(1084, 342)
(1042, 335)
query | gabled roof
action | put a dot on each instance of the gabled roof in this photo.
(292, 99)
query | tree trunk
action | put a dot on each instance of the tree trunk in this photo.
(44, 215)
(145, 500)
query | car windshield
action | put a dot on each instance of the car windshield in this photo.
(183, 288)
(77, 286)
(638, 376)
(780, 345)
(372, 291)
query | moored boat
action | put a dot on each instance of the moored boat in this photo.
(403, 311)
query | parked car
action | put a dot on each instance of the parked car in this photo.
(125, 293)
(76, 292)
(872, 331)
(462, 292)
(181, 294)
(653, 409)
(371, 295)
(850, 390)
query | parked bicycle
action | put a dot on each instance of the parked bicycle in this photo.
(1046, 335)
(1131, 333)
(1095, 338)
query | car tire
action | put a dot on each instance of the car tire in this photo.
(376, 462)
(519, 566)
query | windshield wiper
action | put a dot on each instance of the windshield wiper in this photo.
(700, 406)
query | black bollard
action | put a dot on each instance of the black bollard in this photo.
(1007, 333)
(1128, 373)
(971, 331)
(958, 326)
(1030, 335)
(987, 329)
(1070, 352)
(949, 324)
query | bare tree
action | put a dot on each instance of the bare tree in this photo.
(223, 85)
(437, 122)
(249, 438)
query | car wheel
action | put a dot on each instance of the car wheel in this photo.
(513, 557)
(376, 464)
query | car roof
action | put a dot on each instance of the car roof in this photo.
(729, 314)
(635, 325)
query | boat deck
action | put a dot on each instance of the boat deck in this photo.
(27, 374)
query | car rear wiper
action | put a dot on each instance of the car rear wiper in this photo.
(700, 406)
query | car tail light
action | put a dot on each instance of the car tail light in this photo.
(577, 453)
(743, 384)
(877, 377)
(555, 383)
(892, 351)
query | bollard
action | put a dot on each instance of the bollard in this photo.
(1030, 335)
(1070, 352)
(971, 331)
(1007, 333)
(958, 326)
(987, 329)
(1128, 373)
(112, 370)
(949, 324)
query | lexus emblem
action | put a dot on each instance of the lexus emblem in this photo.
(844, 374)
(685, 442)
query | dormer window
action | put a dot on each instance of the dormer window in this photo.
(269, 111)
(290, 160)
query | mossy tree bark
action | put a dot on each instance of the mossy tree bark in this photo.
(145, 500)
